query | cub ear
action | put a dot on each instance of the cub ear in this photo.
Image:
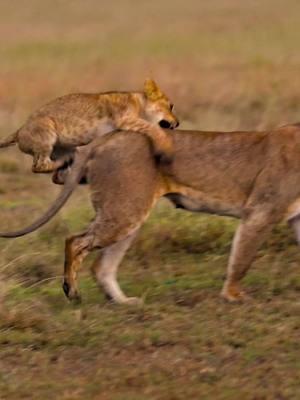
(151, 90)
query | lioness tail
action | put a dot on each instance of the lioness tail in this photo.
(76, 173)
(73, 178)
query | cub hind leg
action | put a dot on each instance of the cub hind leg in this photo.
(61, 174)
(42, 163)
(38, 138)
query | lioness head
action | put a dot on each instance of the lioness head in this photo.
(158, 109)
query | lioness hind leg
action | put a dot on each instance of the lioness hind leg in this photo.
(76, 249)
(105, 270)
(248, 238)
(113, 239)
(295, 224)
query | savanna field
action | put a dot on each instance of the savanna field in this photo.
(227, 65)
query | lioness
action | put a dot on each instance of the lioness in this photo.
(52, 132)
(254, 176)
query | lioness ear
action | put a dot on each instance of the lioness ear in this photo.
(151, 90)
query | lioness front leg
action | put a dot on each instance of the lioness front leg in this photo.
(249, 236)
(105, 270)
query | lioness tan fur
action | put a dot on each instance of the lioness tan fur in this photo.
(52, 132)
(254, 176)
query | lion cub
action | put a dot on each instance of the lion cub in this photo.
(50, 133)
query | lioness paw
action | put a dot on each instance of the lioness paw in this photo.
(233, 294)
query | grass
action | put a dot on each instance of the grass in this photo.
(182, 342)
(226, 65)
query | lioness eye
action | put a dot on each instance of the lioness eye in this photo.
(171, 106)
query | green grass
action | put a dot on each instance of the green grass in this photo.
(182, 342)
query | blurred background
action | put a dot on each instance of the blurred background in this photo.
(226, 65)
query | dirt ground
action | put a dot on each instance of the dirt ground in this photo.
(227, 65)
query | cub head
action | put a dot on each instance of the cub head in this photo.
(158, 108)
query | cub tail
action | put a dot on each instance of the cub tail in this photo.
(9, 140)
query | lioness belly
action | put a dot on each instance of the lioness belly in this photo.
(198, 201)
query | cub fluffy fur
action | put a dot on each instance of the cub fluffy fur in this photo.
(52, 133)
